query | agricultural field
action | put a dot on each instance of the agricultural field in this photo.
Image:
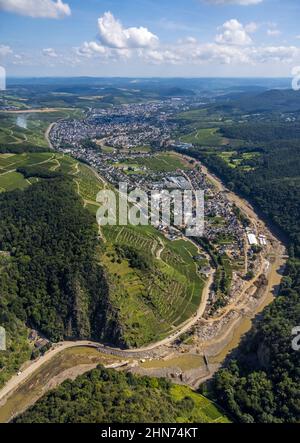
(107, 149)
(74, 95)
(131, 168)
(205, 411)
(241, 160)
(87, 183)
(164, 162)
(133, 150)
(204, 136)
(141, 149)
(193, 116)
(10, 179)
(14, 100)
(202, 127)
(28, 129)
(163, 294)
(203, 117)
(14, 161)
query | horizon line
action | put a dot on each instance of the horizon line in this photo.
(148, 77)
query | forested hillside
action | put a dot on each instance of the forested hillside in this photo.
(274, 100)
(107, 396)
(57, 285)
(263, 386)
(50, 279)
(257, 132)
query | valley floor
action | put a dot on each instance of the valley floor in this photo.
(190, 361)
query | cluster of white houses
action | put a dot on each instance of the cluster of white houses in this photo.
(254, 240)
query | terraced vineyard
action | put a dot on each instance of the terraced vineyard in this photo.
(17, 130)
(88, 185)
(152, 302)
(206, 137)
(10, 179)
(149, 302)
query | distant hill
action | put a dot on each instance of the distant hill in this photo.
(274, 100)
(176, 92)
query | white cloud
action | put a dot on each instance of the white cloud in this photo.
(232, 46)
(50, 52)
(116, 42)
(187, 52)
(19, 60)
(221, 54)
(283, 54)
(189, 41)
(159, 56)
(234, 2)
(112, 34)
(36, 8)
(273, 32)
(92, 49)
(233, 33)
(5, 50)
(251, 27)
(87, 49)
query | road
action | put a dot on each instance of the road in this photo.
(17, 381)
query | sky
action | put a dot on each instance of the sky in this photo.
(146, 38)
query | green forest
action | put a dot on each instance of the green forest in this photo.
(107, 396)
(55, 284)
(263, 385)
(50, 278)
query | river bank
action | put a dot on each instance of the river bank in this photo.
(190, 362)
(215, 339)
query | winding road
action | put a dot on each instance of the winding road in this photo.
(17, 380)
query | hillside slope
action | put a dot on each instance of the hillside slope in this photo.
(107, 396)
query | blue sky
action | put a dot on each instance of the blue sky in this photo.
(150, 37)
